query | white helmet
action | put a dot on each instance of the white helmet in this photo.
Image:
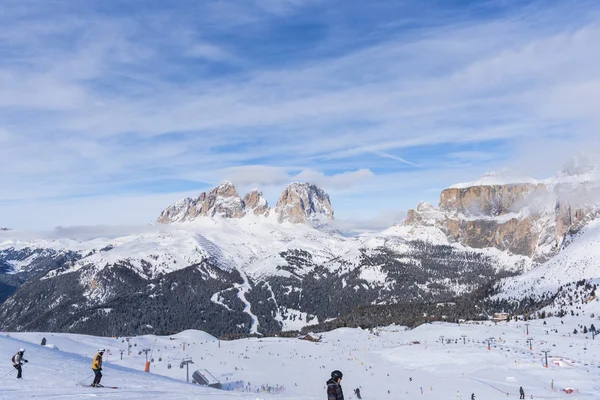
(21, 350)
(101, 350)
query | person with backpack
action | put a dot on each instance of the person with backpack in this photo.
(18, 361)
(334, 389)
(97, 367)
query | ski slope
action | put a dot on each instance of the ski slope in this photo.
(377, 362)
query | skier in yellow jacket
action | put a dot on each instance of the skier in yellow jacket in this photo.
(97, 367)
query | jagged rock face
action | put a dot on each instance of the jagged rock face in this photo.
(301, 202)
(181, 211)
(530, 219)
(491, 200)
(222, 200)
(424, 215)
(255, 202)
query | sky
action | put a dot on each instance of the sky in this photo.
(110, 111)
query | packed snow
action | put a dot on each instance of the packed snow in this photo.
(433, 361)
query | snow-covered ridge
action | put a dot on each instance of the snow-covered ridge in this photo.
(504, 177)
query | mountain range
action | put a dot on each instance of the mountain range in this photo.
(228, 264)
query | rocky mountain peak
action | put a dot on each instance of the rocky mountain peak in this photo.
(225, 189)
(222, 200)
(256, 203)
(301, 202)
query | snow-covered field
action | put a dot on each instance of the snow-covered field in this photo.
(381, 363)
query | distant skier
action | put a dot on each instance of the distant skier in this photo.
(521, 392)
(357, 393)
(18, 361)
(334, 389)
(97, 367)
(472, 396)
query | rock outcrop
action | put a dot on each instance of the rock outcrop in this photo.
(527, 218)
(256, 203)
(222, 200)
(490, 200)
(301, 202)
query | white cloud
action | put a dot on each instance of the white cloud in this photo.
(255, 175)
(382, 220)
(529, 79)
(338, 181)
(114, 210)
(209, 52)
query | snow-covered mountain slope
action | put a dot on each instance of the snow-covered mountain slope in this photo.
(578, 261)
(228, 264)
(433, 361)
(248, 274)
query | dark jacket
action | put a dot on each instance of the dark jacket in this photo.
(521, 391)
(334, 390)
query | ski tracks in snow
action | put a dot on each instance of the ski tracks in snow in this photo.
(243, 288)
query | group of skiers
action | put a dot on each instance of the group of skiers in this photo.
(18, 360)
(334, 388)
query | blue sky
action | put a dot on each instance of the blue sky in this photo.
(112, 110)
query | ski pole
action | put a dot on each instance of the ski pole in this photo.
(6, 374)
(84, 379)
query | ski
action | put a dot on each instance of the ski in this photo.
(99, 387)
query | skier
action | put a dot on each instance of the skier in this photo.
(334, 389)
(472, 396)
(97, 367)
(521, 392)
(17, 361)
(357, 393)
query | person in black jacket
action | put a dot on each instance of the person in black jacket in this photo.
(17, 361)
(334, 389)
(521, 392)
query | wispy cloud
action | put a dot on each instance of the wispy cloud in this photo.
(149, 99)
